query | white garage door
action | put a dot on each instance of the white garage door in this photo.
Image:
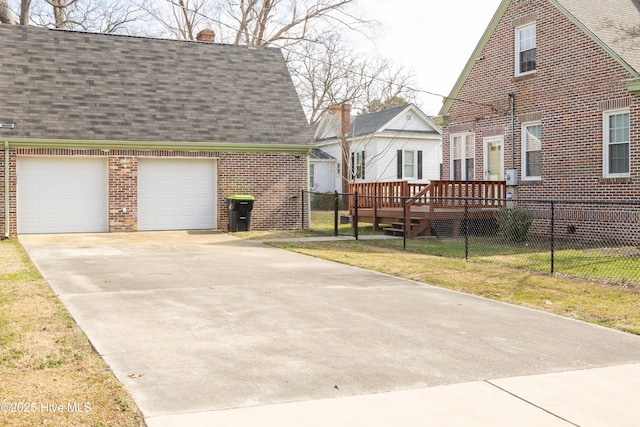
(62, 195)
(176, 194)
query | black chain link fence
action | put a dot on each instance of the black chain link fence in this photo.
(594, 240)
(329, 214)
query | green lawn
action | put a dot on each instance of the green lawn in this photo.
(618, 265)
(323, 222)
(607, 305)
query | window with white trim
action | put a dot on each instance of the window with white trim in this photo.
(409, 164)
(312, 176)
(532, 151)
(616, 143)
(463, 157)
(525, 50)
(357, 164)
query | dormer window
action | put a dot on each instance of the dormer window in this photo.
(525, 50)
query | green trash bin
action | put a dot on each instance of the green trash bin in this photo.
(240, 207)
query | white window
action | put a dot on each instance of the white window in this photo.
(463, 157)
(616, 143)
(525, 50)
(409, 164)
(357, 164)
(531, 151)
(312, 176)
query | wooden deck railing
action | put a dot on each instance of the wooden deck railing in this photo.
(477, 194)
(437, 194)
(384, 194)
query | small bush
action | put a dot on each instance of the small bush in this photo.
(514, 223)
(326, 202)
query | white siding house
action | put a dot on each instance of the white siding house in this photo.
(399, 144)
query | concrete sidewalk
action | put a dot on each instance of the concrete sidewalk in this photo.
(207, 329)
(595, 397)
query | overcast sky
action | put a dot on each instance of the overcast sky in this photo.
(433, 38)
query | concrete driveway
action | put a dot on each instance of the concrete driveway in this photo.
(207, 329)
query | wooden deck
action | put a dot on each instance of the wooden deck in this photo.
(426, 204)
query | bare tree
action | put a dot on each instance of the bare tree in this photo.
(106, 16)
(256, 22)
(331, 73)
(60, 11)
(181, 18)
(25, 7)
(262, 23)
(6, 17)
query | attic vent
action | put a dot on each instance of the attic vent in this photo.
(524, 20)
(409, 117)
(6, 126)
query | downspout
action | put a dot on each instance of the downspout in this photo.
(6, 190)
(512, 99)
(308, 201)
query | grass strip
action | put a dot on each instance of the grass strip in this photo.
(616, 307)
(50, 374)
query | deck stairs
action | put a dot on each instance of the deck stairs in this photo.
(417, 226)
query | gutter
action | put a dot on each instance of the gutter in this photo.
(160, 145)
(633, 86)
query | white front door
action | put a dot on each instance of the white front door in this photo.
(493, 159)
(62, 195)
(176, 194)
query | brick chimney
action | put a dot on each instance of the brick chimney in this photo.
(346, 118)
(206, 35)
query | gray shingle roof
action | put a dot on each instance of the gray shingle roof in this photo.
(318, 154)
(367, 124)
(610, 21)
(69, 85)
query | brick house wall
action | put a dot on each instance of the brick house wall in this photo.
(276, 180)
(575, 81)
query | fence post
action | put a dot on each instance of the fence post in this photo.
(336, 205)
(466, 229)
(355, 215)
(302, 212)
(553, 254)
(404, 223)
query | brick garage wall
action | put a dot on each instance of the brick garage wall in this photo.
(12, 193)
(123, 193)
(275, 180)
(573, 80)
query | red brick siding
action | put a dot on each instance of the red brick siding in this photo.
(573, 76)
(276, 181)
(12, 193)
(123, 193)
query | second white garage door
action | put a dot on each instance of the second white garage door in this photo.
(176, 194)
